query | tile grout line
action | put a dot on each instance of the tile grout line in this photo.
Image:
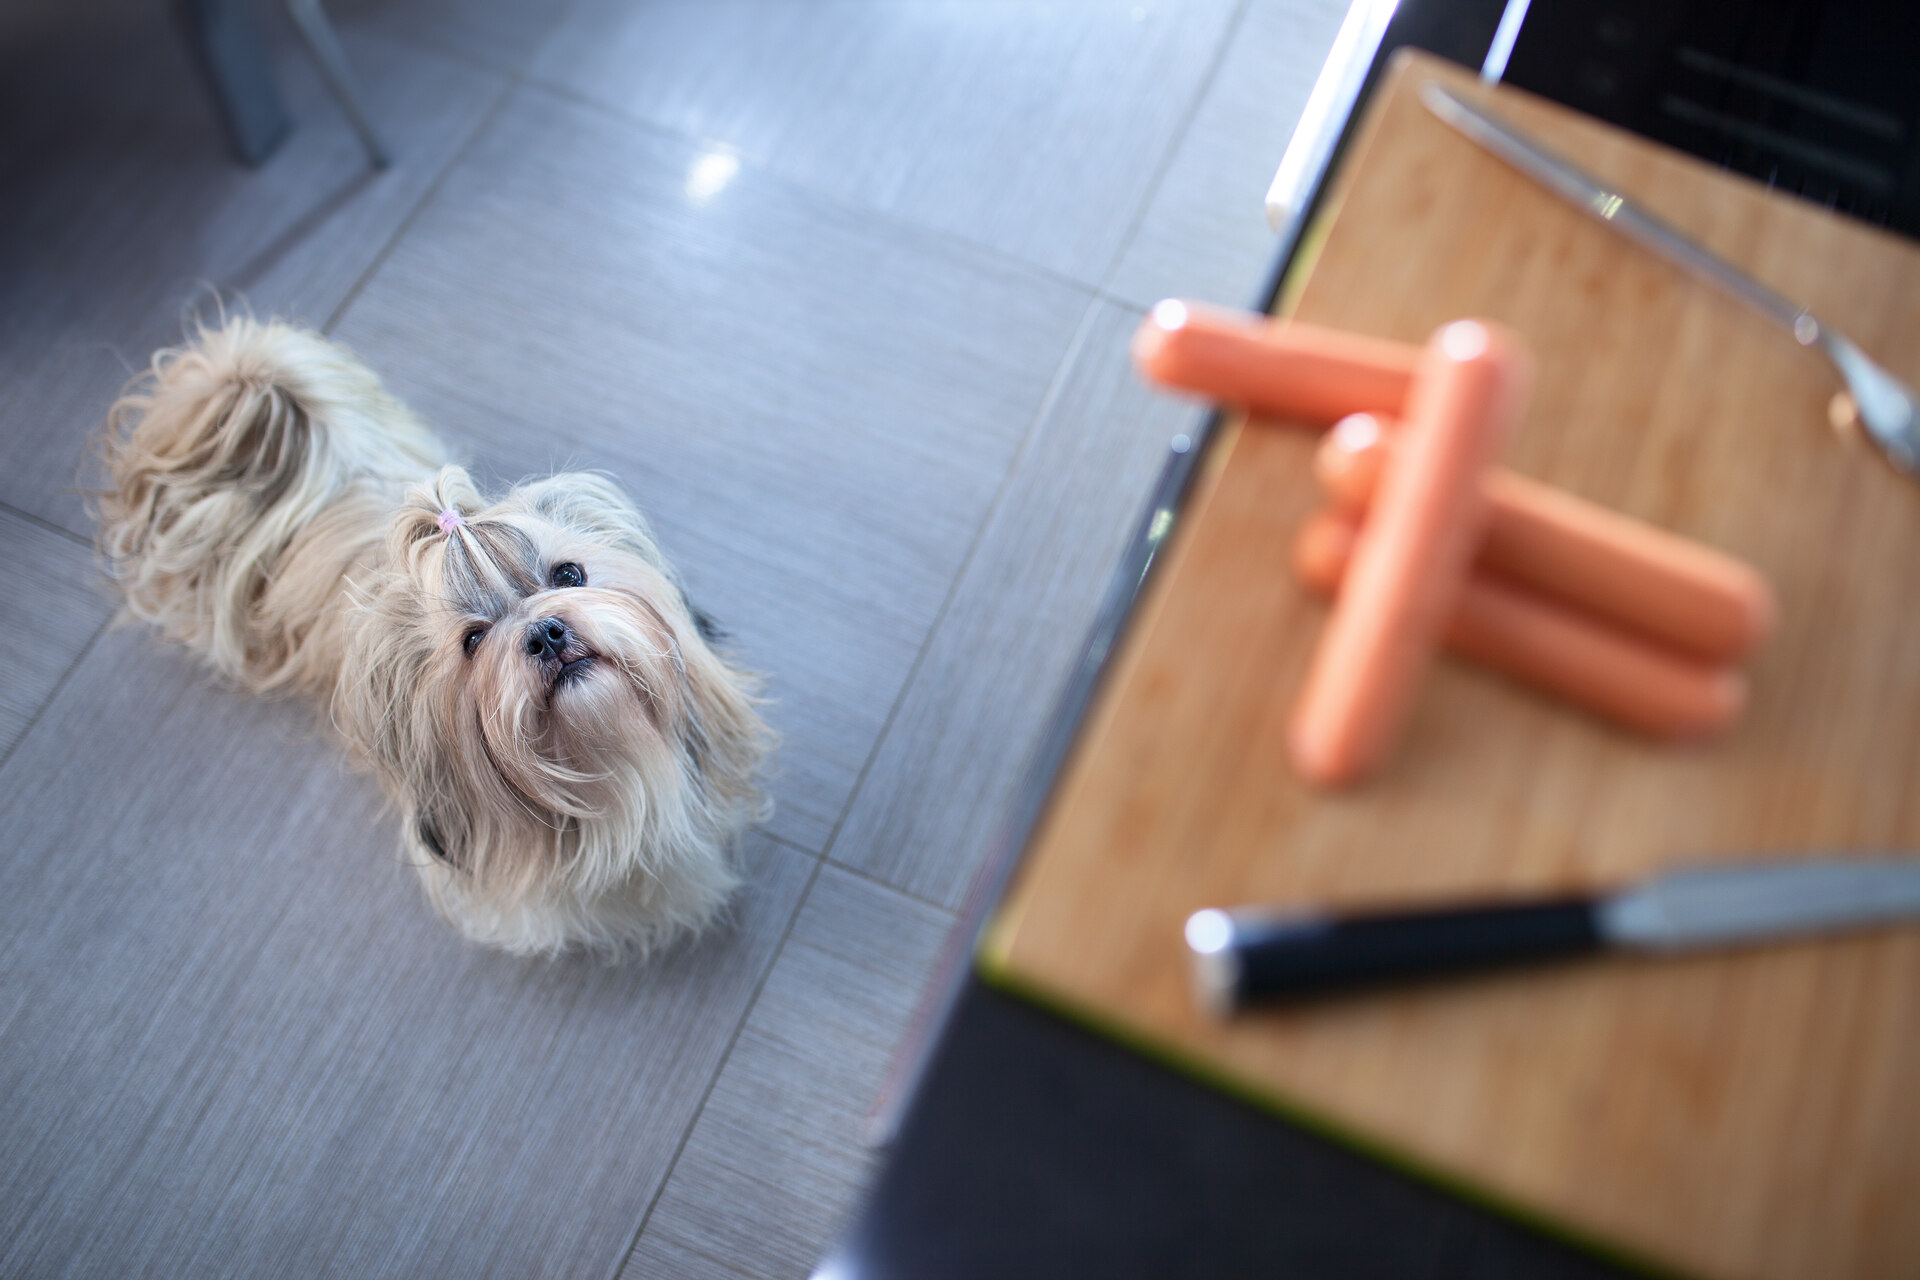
(513, 79)
(720, 1066)
(466, 57)
(746, 1015)
(788, 841)
(858, 873)
(820, 863)
(526, 79)
(1068, 359)
(861, 874)
(1227, 38)
(52, 694)
(48, 525)
(1047, 402)
(426, 197)
(574, 97)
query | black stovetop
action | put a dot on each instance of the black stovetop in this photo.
(1817, 97)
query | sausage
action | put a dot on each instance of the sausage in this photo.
(1294, 372)
(1666, 587)
(1614, 675)
(1412, 555)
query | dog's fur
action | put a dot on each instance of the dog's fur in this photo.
(275, 510)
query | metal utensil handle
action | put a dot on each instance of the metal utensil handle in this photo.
(1613, 208)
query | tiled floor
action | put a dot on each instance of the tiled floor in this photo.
(873, 391)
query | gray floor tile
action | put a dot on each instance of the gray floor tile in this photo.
(501, 34)
(943, 776)
(1035, 128)
(233, 1041)
(120, 207)
(51, 604)
(814, 406)
(1205, 234)
(775, 1160)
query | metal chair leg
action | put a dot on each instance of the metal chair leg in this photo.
(317, 31)
(234, 63)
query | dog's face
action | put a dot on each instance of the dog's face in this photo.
(533, 689)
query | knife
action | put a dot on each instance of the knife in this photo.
(1247, 956)
(1879, 404)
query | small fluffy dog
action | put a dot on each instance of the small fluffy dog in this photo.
(572, 759)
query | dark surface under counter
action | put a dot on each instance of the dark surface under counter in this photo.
(1035, 1148)
(1817, 98)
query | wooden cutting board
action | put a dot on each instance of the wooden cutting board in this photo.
(1738, 1115)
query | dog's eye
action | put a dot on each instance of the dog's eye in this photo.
(472, 639)
(568, 575)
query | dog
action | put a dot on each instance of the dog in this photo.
(572, 759)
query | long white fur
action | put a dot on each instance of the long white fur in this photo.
(275, 510)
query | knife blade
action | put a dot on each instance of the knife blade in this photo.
(1249, 955)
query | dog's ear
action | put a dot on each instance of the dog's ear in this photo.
(428, 833)
(710, 631)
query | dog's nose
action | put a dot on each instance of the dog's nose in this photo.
(547, 639)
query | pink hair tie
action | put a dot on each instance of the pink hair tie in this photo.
(451, 520)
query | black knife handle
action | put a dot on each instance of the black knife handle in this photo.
(1245, 958)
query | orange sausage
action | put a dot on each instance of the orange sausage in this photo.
(1294, 372)
(1412, 555)
(1640, 686)
(1666, 587)
(1350, 457)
